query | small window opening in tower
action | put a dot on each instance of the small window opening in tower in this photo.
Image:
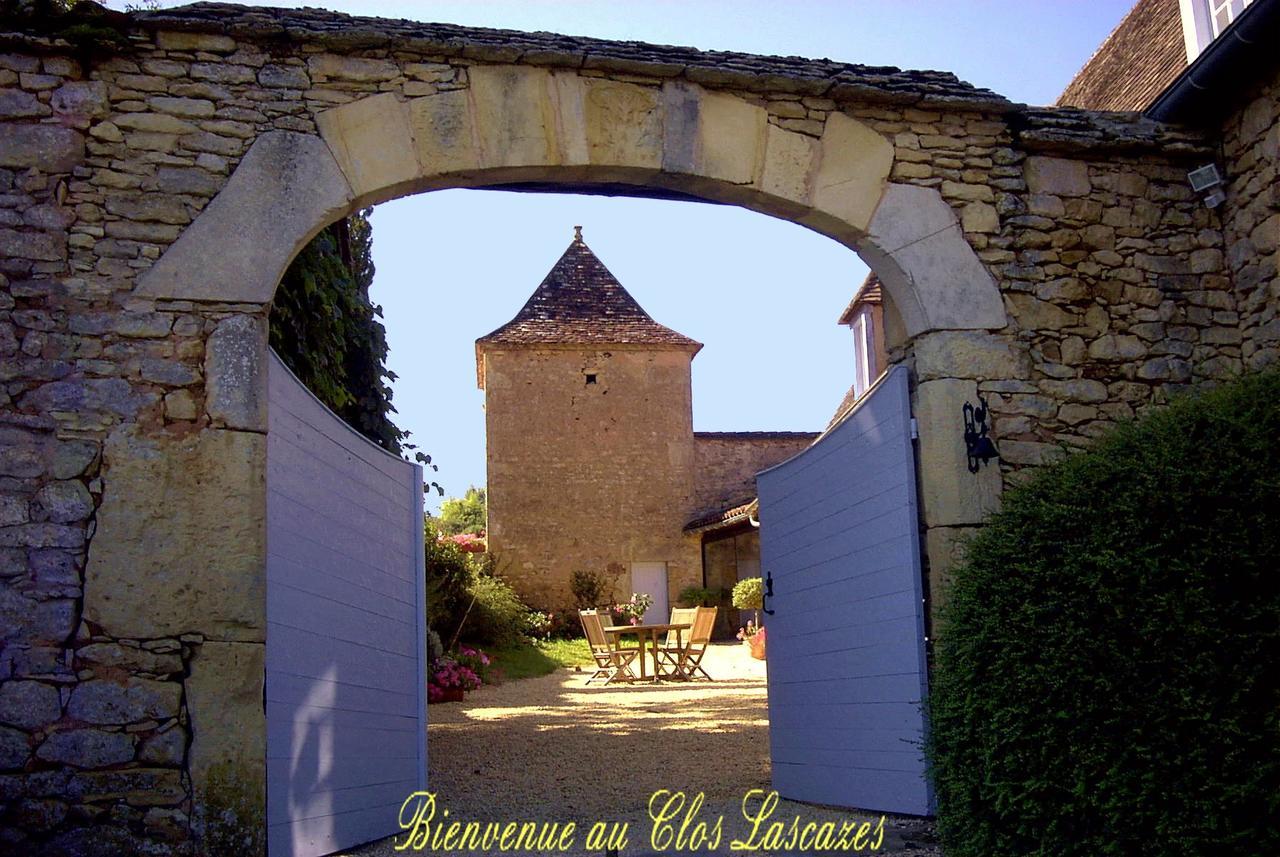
(591, 377)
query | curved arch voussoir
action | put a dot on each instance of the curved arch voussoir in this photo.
(287, 187)
(917, 248)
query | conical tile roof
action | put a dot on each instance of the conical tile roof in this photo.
(580, 302)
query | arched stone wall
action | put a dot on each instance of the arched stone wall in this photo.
(1052, 261)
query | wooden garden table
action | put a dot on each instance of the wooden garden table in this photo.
(651, 633)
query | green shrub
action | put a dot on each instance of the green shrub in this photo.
(589, 588)
(497, 616)
(1106, 678)
(748, 594)
(699, 596)
(449, 573)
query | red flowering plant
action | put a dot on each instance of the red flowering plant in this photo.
(448, 674)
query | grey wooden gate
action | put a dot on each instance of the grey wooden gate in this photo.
(839, 536)
(345, 687)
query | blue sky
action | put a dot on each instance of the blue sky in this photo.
(763, 295)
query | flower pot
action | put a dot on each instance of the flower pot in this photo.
(449, 694)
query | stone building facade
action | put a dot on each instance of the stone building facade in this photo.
(1054, 260)
(592, 460)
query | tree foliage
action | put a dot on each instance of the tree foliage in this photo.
(1106, 679)
(325, 329)
(465, 514)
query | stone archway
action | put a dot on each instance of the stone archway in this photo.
(1053, 261)
(530, 126)
(519, 124)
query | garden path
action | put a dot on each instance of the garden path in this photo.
(550, 749)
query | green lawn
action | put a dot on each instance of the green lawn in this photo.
(530, 660)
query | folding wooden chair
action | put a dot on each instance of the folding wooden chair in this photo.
(690, 662)
(612, 662)
(671, 648)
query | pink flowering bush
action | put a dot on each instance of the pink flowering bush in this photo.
(475, 660)
(447, 673)
(467, 542)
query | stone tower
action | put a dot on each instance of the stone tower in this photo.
(590, 446)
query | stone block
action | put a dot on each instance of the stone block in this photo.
(63, 502)
(16, 104)
(235, 373)
(944, 547)
(79, 102)
(29, 705)
(1037, 315)
(165, 749)
(21, 618)
(853, 171)
(443, 133)
(916, 246)
(180, 542)
(287, 186)
(513, 116)
(87, 748)
(963, 354)
(227, 758)
(623, 123)
(181, 41)
(50, 148)
(949, 494)
(15, 749)
(979, 217)
(373, 145)
(113, 397)
(789, 160)
(26, 245)
(136, 786)
(114, 703)
(129, 658)
(358, 69)
(1057, 176)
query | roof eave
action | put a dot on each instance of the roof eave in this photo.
(1208, 87)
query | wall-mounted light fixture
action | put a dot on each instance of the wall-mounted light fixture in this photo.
(1207, 182)
(978, 445)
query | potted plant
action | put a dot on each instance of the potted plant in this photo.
(450, 680)
(632, 612)
(748, 594)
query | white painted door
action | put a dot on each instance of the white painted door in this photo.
(840, 538)
(651, 577)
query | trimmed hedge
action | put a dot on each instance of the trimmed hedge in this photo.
(1107, 678)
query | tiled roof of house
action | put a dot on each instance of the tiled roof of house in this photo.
(1140, 58)
(733, 515)
(580, 302)
(867, 293)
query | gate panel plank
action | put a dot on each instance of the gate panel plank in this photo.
(345, 693)
(839, 534)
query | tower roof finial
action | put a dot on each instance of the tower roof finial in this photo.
(577, 233)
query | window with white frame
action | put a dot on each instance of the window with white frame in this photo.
(1223, 12)
(1205, 20)
(865, 369)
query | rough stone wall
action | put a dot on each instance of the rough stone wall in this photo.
(1251, 214)
(131, 429)
(589, 476)
(726, 464)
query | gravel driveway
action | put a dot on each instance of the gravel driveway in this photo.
(550, 749)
